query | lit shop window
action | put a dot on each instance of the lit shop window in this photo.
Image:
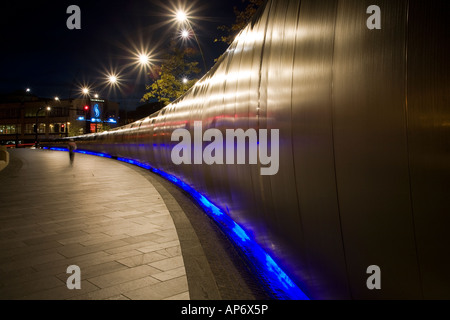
(8, 129)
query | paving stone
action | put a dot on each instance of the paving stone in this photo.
(170, 274)
(117, 277)
(168, 264)
(128, 230)
(117, 290)
(160, 290)
(141, 259)
(53, 215)
(62, 292)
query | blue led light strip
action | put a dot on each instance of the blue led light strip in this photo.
(55, 149)
(261, 262)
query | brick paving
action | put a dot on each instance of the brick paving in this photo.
(133, 235)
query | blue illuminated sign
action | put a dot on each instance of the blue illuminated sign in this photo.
(96, 111)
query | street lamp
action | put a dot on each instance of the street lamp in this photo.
(85, 92)
(36, 143)
(182, 17)
(112, 79)
(143, 59)
(184, 34)
(18, 114)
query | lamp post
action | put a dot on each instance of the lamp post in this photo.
(85, 92)
(19, 115)
(65, 125)
(144, 59)
(182, 17)
(112, 79)
(36, 142)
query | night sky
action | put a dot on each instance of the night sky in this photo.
(39, 51)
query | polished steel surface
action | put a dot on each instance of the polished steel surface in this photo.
(370, 144)
(364, 120)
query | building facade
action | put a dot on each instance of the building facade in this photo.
(25, 119)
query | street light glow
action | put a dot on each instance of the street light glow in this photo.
(181, 16)
(85, 90)
(56, 98)
(143, 59)
(185, 34)
(112, 79)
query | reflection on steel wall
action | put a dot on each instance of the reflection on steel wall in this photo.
(364, 120)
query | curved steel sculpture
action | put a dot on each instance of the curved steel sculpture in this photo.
(364, 143)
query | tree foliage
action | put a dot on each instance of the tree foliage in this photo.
(168, 85)
(242, 19)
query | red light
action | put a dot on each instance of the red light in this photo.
(86, 108)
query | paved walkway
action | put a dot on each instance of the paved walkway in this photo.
(122, 225)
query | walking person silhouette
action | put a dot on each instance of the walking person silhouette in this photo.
(72, 148)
